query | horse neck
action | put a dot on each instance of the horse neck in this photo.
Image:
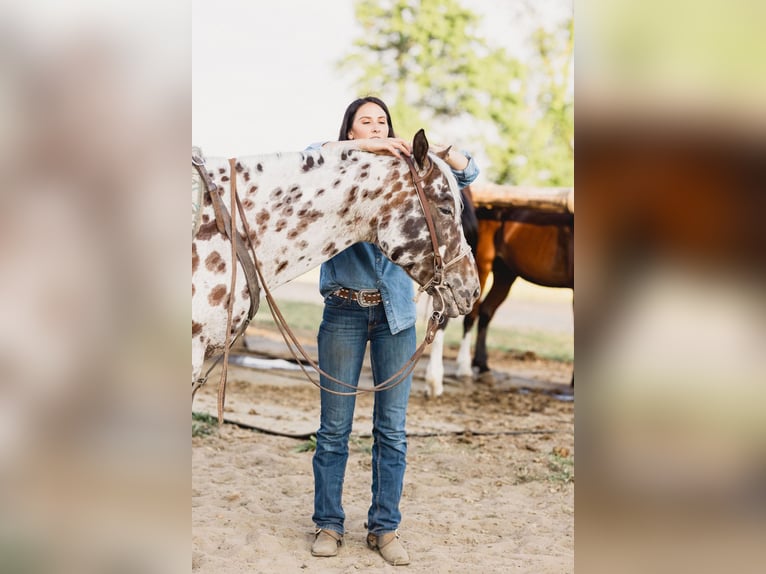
(300, 217)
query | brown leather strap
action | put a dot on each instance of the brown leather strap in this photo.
(417, 180)
(223, 221)
(230, 306)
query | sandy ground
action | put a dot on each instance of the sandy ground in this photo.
(489, 484)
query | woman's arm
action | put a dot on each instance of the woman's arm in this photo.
(387, 146)
(454, 158)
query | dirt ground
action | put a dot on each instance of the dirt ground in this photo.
(489, 484)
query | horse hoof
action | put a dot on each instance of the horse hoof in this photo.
(486, 378)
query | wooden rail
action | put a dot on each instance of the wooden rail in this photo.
(547, 199)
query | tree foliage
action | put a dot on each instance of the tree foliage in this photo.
(430, 62)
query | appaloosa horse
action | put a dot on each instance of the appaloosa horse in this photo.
(302, 208)
(533, 244)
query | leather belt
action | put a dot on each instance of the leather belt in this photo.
(364, 297)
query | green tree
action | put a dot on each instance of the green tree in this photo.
(428, 59)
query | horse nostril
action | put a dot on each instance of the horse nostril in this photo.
(475, 293)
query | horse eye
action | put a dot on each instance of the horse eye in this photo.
(446, 210)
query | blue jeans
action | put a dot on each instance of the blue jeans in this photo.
(343, 335)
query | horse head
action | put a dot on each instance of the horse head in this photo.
(435, 255)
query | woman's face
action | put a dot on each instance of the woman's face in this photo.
(369, 122)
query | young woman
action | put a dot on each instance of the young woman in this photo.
(367, 298)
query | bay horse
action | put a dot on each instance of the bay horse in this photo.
(302, 208)
(521, 242)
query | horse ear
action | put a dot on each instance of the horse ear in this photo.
(420, 148)
(443, 153)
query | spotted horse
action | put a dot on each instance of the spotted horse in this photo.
(302, 208)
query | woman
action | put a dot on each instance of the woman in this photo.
(367, 298)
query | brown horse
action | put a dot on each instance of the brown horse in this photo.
(513, 242)
(533, 245)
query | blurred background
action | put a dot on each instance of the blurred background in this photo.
(95, 106)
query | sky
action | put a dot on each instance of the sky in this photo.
(264, 77)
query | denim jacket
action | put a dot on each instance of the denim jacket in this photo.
(364, 266)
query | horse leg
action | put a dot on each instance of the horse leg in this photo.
(464, 353)
(501, 285)
(198, 358)
(435, 367)
(484, 255)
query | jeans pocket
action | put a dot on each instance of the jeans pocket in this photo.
(335, 302)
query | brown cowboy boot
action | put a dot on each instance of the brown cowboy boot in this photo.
(326, 543)
(389, 547)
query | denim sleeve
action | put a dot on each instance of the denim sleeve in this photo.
(467, 176)
(314, 146)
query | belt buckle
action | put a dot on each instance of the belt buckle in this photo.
(361, 294)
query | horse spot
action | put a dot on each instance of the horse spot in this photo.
(281, 224)
(336, 183)
(225, 178)
(308, 163)
(221, 170)
(253, 189)
(206, 231)
(205, 218)
(247, 176)
(293, 233)
(195, 257)
(262, 217)
(215, 263)
(313, 215)
(217, 295)
(330, 249)
(238, 167)
(259, 167)
(281, 266)
(411, 227)
(276, 193)
(194, 290)
(320, 192)
(196, 328)
(248, 204)
(303, 244)
(352, 194)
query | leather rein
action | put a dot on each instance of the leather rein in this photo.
(288, 335)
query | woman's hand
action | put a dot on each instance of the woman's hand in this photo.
(454, 158)
(385, 146)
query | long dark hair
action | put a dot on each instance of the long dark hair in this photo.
(348, 117)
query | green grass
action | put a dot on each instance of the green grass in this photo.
(304, 319)
(203, 424)
(309, 445)
(561, 468)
